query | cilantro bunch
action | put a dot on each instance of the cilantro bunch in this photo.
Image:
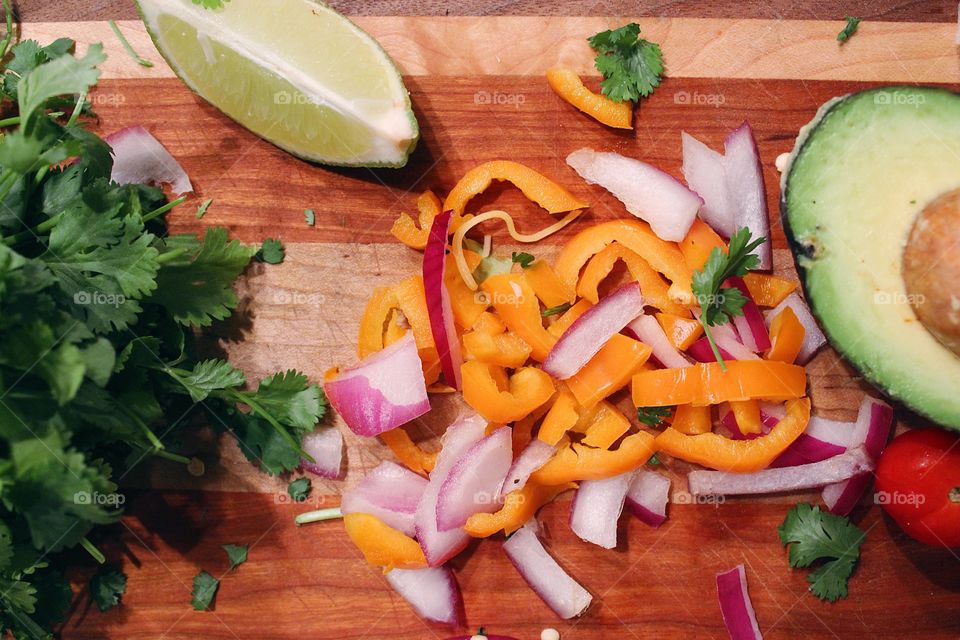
(632, 67)
(99, 306)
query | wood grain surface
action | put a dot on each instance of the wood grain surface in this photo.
(659, 583)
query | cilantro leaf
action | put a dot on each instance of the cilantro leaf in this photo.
(62, 75)
(291, 398)
(299, 489)
(210, 375)
(654, 460)
(653, 416)
(106, 587)
(202, 209)
(557, 310)
(849, 29)
(271, 251)
(236, 554)
(310, 216)
(204, 589)
(632, 67)
(814, 535)
(523, 259)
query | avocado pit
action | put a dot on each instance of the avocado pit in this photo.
(931, 268)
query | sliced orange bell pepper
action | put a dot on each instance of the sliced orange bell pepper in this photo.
(484, 390)
(523, 428)
(768, 290)
(561, 324)
(706, 383)
(541, 276)
(607, 426)
(407, 451)
(503, 349)
(536, 186)
(655, 289)
(382, 545)
(518, 507)
(700, 242)
(407, 232)
(580, 462)
(465, 303)
(375, 316)
(563, 415)
(608, 371)
(518, 307)
(747, 414)
(567, 85)
(488, 322)
(786, 336)
(690, 420)
(738, 456)
(637, 236)
(682, 332)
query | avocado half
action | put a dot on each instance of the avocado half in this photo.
(859, 175)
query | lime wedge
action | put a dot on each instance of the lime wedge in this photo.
(294, 72)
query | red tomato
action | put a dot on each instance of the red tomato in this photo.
(918, 484)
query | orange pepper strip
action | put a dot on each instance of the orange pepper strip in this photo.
(681, 332)
(786, 336)
(488, 322)
(636, 236)
(690, 420)
(526, 389)
(561, 324)
(706, 383)
(375, 316)
(563, 415)
(518, 307)
(503, 349)
(767, 290)
(655, 289)
(407, 451)
(518, 507)
(382, 545)
(567, 85)
(547, 285)
(465, 303)
(747, 414)
(537, 187)
(738, 456)
(608, 371)
(523, 428)
(699, 243)
(407, 232)
(580, 462)
(608, 426)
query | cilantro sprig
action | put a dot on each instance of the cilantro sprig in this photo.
(631, 66)
(813, 536)
(653, 416)
(849, 29)
(720, 304)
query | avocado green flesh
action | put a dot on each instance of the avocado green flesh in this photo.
(860, 175)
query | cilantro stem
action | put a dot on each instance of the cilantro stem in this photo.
(713, 346)
(170, 255)
(174, 457)
(8, 37)
(156, 213)
(318, 516)
(8, 178)
(10, 122)
(95, 553)
(43, 227)
(77, 108)
(127, 46)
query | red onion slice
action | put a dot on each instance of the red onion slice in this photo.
(649, 331)
(473, 483)
(139, 158)
(440, 546)
(389, 492)
(646, 192)
(438, 300)
(385, 390)
(738, 613)
(805, 476)
(874, 421)
(704, 172)
(537, 454)
(596, 509)
(588, 333)
(813, 337)
(547, 578)
(750, 326)
(748, 196)
(433, 593)
(647, 497)
(325, 446)
(701, 351)
(823, 439)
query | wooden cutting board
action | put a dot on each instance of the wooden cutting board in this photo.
(478, 89)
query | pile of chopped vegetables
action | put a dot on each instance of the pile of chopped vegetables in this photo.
(710, 348)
